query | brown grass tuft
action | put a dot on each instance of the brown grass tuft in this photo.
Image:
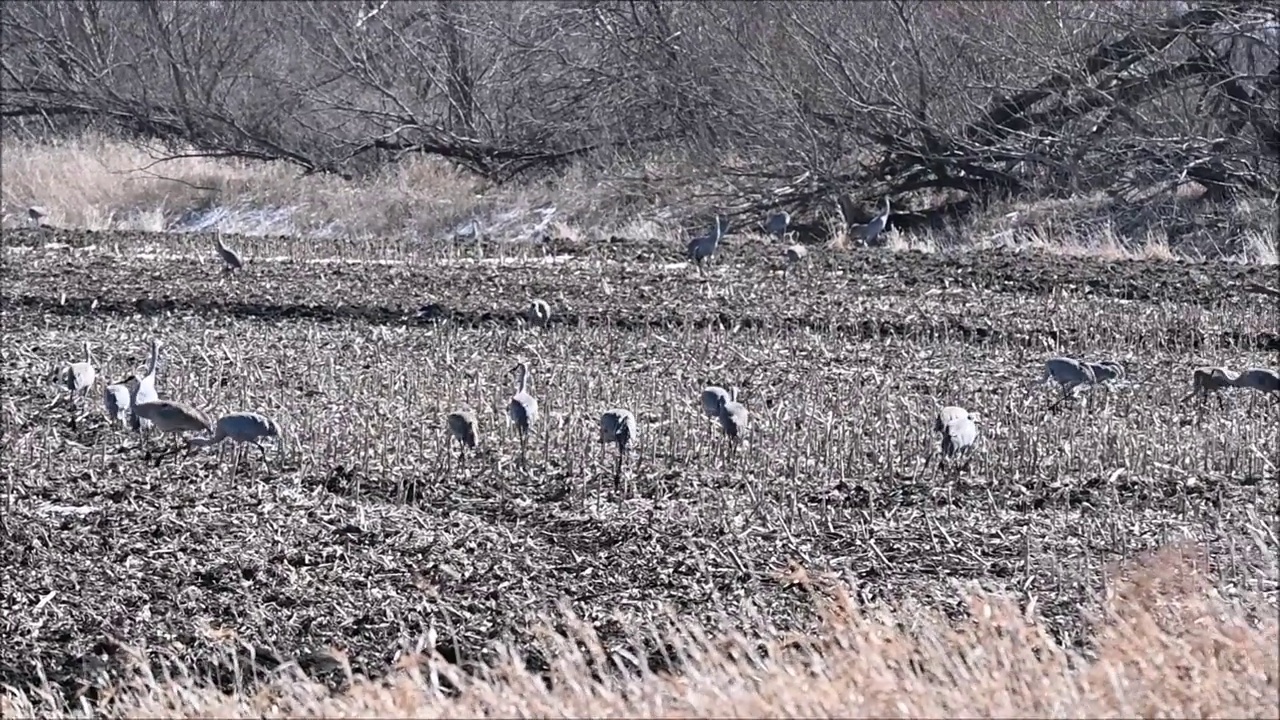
(1167, 647)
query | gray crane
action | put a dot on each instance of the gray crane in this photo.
(143, 390)
(1106, 371)
(777, 224)
(1264, 380)
(230, 258)
(117, 403)
(78, 377)
(1212, 380)
(1069, 374)
(539, 312)
(172, 417)
(958, 429)
(704, 247)
(1206, 381)
(713, 397)
(523, 408)
(242, 427)
(870, 232)
(734, 418)
(37, 215)
(464, 428)
(618, 426)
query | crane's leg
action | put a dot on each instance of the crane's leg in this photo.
(1059, 401)
(617, 476)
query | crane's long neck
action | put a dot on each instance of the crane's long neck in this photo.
(154, 359)
(524, 379)
(88, 356)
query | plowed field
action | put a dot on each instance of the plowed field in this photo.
(368, 530)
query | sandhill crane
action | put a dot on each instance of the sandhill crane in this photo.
(704, 247)
(147, 383)
(777, 224)
(1106, 371)
(168, 416)
(734, 418)
(871, 231)
(523, 408)
(464, 428)
(1069, 373)
(242, 427)
(230, 259)
(143, 390)
(1211, 380)
(539, 312)
(1264, 380)
(958, 429)
(78, 377)
(618, 426)
(712, 398)
(116, 401)
(37, 215)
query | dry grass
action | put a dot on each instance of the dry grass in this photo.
(371, 541)
(96, 183)
(1168, 646)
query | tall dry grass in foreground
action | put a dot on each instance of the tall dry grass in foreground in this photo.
(1166, 644)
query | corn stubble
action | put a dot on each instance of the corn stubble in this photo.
(1022, 584)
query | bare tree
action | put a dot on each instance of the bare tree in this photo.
(772, 104)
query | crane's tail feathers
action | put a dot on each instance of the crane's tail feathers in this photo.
(203, 441)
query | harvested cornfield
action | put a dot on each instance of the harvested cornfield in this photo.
(370, 532)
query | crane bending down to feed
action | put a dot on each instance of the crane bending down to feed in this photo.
(464, 428)
(523, 408)
(1264, 380)
(1207, 381)
(618, 426)
(704, 247)
(1106, 371)
(230, 258)
(37, 215)
(1069, 373)
(242, 427)
(958, 429)
(712, 398)
(172, 417)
